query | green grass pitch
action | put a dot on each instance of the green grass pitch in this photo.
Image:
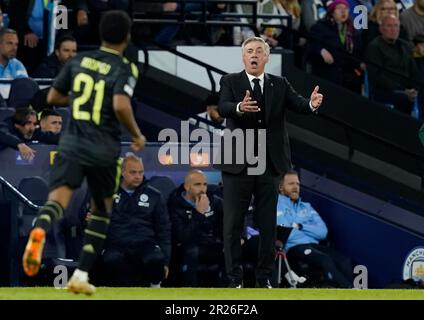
(103, 293)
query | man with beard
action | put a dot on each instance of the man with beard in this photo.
(305, 230)
(65, 49)
(10, 67)
(21, 129)
(196, 217)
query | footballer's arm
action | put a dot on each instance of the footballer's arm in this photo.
(56, 98)
(123, 111)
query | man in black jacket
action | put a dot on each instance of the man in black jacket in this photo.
(139, 237)
(255, 104)
(196, 217)
(21, 129)
(65, 49)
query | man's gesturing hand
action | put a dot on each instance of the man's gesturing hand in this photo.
(247, 105)
(316, 98)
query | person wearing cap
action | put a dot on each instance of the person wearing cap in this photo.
(333, 41)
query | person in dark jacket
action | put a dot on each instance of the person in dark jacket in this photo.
(196, 217)
(392, 70)
(65, 49)
(20, 129)
(139, 237)
(335, 45)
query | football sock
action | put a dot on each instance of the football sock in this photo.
(95, 235)
(48, 214)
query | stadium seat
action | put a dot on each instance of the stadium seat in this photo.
(164, 184)
(6, 113)
(55, 249)
(22, 90)
(36, 190)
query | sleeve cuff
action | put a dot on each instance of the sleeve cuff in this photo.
(312, 108)
(238, 109)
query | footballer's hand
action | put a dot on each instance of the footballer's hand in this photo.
(138, 143)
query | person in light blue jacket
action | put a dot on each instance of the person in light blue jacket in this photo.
(300, 229)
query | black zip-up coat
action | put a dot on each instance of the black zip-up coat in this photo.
(191, 227)
(139, 217)
(11, 137)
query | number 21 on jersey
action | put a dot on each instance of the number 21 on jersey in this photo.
(83, 79)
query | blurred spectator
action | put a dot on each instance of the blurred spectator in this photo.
(392, 70)
(10, 67)
(312, 11)
(304, 229)
(89, 13)
(1, 18)
(145, 31)
(421, 134)
(196, 218)
(50, 121)
(418, 55)
(168, 32)
(335, 47)
(138, 245)
(211, 114)
(15, 132)
(381, 9)
(413, 19)
(65, 49)
(276, 36)
(28, 18)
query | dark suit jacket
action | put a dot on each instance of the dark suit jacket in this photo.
(279, 96)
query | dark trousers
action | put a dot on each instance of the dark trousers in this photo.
(337, 268)
(197, 258)
(238, 191)
(134, 266)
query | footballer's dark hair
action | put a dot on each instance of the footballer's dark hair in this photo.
(115, 26)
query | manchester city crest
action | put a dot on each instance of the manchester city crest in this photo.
(413, 267)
